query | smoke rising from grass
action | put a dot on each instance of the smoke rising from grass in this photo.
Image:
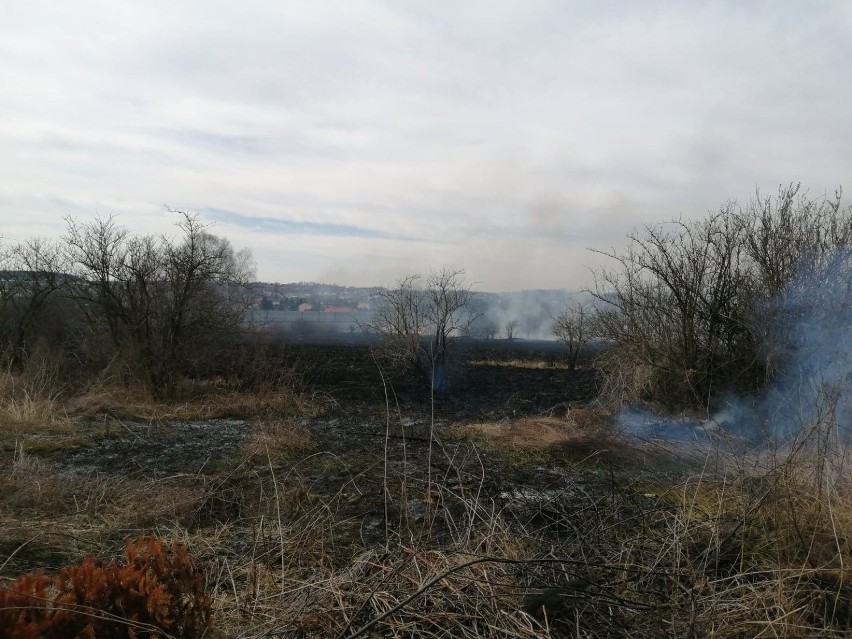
(809, 341)
(807, 336)
(531, 311)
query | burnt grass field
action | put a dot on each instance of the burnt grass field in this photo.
(481, 378)
(342, 498)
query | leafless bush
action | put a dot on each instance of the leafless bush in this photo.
(34, 312)
(692, 304)
(790, 233)
(418, 320)
(573, 327)
(157, 299)
(512, 328)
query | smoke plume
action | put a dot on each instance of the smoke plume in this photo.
(807, 333)
(810, 346)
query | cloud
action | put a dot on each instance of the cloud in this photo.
(502, 135)
(298, 227)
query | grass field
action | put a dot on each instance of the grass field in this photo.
(317, 515)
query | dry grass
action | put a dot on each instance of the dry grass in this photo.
(310, 572)
(521, 363)
(193, 401)
(31, 398)
(748, 545)
(691, 569)
(586, 437)
(43, 395)
(742, 545)
(539, 433)
(282, 558)
(40, 415)
(277, 440)
(33, 414)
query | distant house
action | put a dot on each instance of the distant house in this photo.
(304, 306)
(339, 309)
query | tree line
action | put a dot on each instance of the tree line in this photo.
(103, 297)
(687, 312)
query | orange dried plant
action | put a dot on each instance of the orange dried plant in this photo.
(158, 593)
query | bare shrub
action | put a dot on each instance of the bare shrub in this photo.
(512, 328)
(690, 305)
(418, 320)
(32, 280)
(573, 327)
(790, 233)
(158, 299)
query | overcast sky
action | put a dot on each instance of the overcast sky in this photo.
(355, 141)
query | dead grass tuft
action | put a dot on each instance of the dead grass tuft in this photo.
(276, 440)
(195, 401)
(522, 363)
(581, 436)
(33, 398)
(530, 433)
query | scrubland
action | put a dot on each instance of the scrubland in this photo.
(164, 475)
(324, 518)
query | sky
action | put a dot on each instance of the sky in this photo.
(354, 142)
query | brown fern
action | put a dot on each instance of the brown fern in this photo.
(157, 593)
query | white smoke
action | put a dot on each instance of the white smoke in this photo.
(532, 310)
(810, 343)
(809, 347)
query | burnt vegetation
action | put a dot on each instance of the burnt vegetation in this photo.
(168, 471)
